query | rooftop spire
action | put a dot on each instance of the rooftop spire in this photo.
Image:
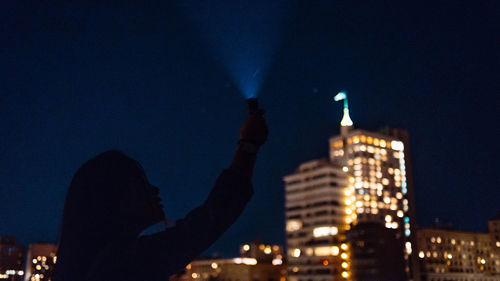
(346, 120)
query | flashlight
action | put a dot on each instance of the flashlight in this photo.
(252, 106)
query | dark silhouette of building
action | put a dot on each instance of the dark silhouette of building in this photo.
(11, 259)
(376, 253)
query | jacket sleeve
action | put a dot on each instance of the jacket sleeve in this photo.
(159, 255)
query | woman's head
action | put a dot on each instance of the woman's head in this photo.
(109, 199)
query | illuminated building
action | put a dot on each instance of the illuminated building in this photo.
(376, 253)
(258, 262)
(455, 255)
(40, 261)
(315, 222)
(367, 180)
(379, 172)
(11, 259)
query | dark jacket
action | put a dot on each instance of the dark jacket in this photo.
(156, 257)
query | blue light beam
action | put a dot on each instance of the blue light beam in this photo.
(243, 35)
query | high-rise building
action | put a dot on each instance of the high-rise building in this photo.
(316, 222)
(11, 259)
(367, 180)
(258, 262)
(379, 172)
(445, 254)
(40, 261)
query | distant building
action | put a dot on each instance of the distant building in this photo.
(456, 255)
(367, 180)
(376, 253)
(315, 221)
(258, 262)
(40, 261)
(11, 259)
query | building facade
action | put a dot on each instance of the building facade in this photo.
(371, 180)
(460, 256)
(316, 222)
(376, 253)
(40, 261)
(258, 262)
(11, 259)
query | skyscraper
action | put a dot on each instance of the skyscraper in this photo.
(379, 186)
(315, 222)
(371, 179)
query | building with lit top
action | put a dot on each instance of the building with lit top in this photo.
(40, 261)
(445, 254)
(379, 172)
(257, 262)
(316, 222)
(368, 179)
(11, 259)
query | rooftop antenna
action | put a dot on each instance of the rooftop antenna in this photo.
(346, 122)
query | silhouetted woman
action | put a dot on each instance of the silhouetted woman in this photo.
(110, 204)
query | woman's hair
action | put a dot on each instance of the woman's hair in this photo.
(94, 213)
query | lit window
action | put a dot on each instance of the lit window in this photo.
(296, 253)
(344, 246)
(397, 145)
(214, 265)
(382, 143)
(293, 225)
(277, 261)
(247, 261)
(195, 275)
(408, 248)
(326, 251)
(246, 247)
(421, 255)
(344, 256)
(345, 274)
(385, 181)
(438, 240)
(267, 250)
(325, 231)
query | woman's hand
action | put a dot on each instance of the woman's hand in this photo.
(253, 134)
(254, 129)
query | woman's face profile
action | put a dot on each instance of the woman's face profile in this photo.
(143, 203)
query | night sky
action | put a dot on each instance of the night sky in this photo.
(156, 81)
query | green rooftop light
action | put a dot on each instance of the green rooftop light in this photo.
(346, 120)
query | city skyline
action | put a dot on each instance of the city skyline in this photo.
(76, 87)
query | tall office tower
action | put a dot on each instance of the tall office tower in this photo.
(379, 177)
(316, 222)
(11, 259)
(446, 254)
(40, 261)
